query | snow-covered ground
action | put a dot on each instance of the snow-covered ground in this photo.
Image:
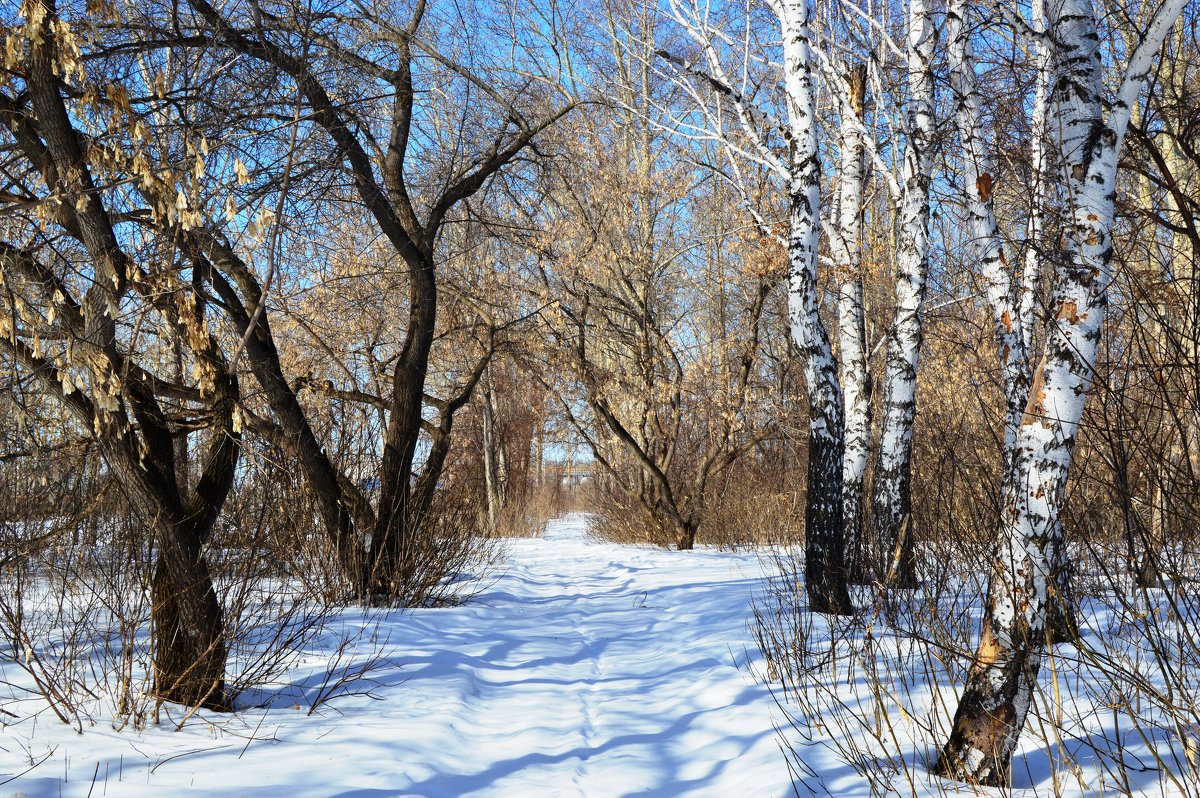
(584, 669)
(593, 669)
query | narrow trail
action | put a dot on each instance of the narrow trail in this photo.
(607, 671)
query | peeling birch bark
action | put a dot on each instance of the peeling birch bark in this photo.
(999, 687)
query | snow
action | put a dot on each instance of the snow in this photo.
(585, 668)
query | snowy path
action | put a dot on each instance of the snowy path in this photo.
(587, 669)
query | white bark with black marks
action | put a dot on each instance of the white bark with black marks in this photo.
(1039, 166)
(987, 245)
(891, 497)
(846, 246)
(711, 87)
(825, 577)
(999, 687)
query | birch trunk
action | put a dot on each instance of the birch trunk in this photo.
(891, 489)
(1011, 305)
(491, 466)
(999, 686)
(1062, 625)
(852, 344)
(987, 246)
(1039, 168)
(824, 571)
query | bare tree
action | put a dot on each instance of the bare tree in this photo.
(846, 245)
(658, 313)
(101, 308)
(407, 188)
(781, 139)
(891, 485)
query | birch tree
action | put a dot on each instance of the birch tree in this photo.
(891, 490)
(824, 571)
(781, 139)
(1087, 142)
(886, 548)
(846, 245)
(1009, 292)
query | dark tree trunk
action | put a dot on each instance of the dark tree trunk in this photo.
(685, 537)
(189, 634)
(396, 517)
(189, 628)
(411, 495)
(824, 563)
(492, 448)
(1062, 626)
(1149, 573)
(893, 522)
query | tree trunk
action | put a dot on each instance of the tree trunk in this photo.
(1062, 625)
(685, 536)
(856, 385)
(491, 465)
(189, 629)
(892, 485)
(395, 517)
(539, 459)
(824, 544)
(189, 632)
(182, 476)
(999, 685)
(1039, 156)
(825, 578)
(1149, 566)
(1011, 308)
(852, 344)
